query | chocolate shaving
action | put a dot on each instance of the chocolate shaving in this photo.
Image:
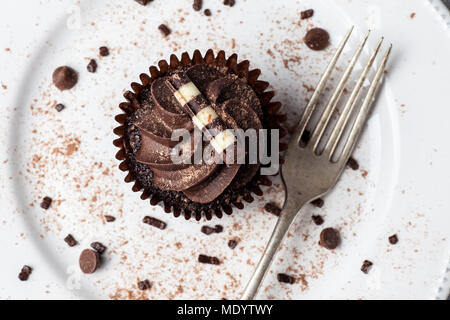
(284, 278)
(366, 266)
(393, 239)
(110, 218)
(306, 14)
(353, 164)
(330, 238)
(197, 5)
(273, 209)
(25, 273)
(318, 203)
(98, 246)
(59, 107)
(232, 244)
(144, 285)
(318, 220)
(103, 51)
(208, 259)
(70, 240)
(164, 30)
(155, 222)
(46, 203)
(92, 66)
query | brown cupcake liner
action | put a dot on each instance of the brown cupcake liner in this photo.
(272, 120)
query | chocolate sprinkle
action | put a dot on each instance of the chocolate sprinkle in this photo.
(306, 14)
(232, 244)
(144, 285)
(154, 222)
(317, 39)
(98, 246)
(59, 107)
(208, 260)
(65, 78)
(273, 209)
(393, 239)
(284, 278)
(318, 220)
(353, 164)
(207, 12)
(46, 203)
(197, 5)
(110, 218)
(25, 273)
(366, 266)
(143, 2)
(70, 240)
(318, 203)
(330, 238)
(103, 51)
(92, 66)
(164, 30)
(219, 228)
(89, 261)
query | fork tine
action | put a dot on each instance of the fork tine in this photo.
(365, 109)
(315, 97)
(338, 130)
(331, 106)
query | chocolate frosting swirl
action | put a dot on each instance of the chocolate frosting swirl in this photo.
(237, 106)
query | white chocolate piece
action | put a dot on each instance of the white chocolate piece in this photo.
(186, 93)
(223, 140)
(204, 117)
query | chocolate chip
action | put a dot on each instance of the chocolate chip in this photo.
(144, 285)
(143, 2)
(164, 30)
(25, 273)
(229, 2)
(197, 5)
(318, 203)
(208, 260)
(306, 14)
(65, 78)
(353, 164)
(89, 261)
(46, 203)
(110, 218)
(98, 246)
(218, 228)
(330, 238)
(393, 239)
(92, 66)
(272, 208)
(103, 51)
(207, 12)
(284, 278)
(154, 222)
(317, 39)
(232, 244)
(318, 220)
(70, 240)
(59, 107)
(366, 266)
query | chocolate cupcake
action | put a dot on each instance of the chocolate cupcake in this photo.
(210, 93)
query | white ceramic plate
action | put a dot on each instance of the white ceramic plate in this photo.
(402, 186)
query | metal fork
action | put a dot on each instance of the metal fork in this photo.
(307, 174)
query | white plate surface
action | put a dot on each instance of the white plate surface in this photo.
(402, 186)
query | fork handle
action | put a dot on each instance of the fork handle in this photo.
(281, 229)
